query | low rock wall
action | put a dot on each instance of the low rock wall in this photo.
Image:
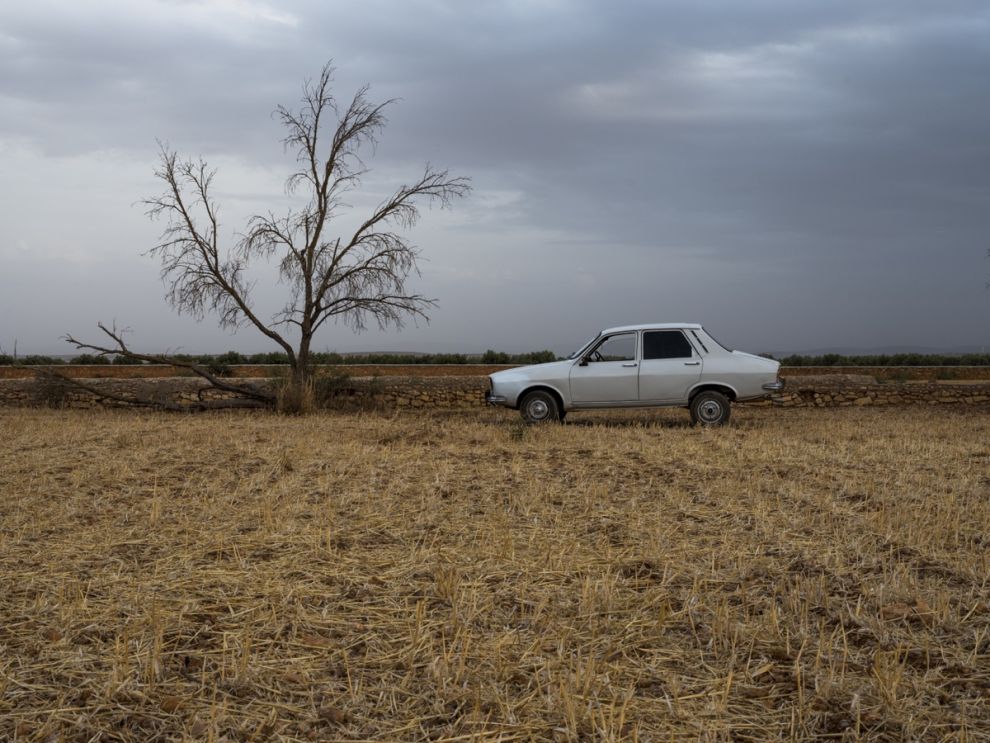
(468, 392)
(49, 392)
(800, 394)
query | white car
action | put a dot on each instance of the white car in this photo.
(660, 365)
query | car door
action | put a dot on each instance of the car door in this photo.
(669, 368)
(609, 373)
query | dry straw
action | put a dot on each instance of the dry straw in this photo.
(453, 577)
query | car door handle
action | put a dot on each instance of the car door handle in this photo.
(692, 363)
(632, 364)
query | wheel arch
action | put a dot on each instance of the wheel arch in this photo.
(541, 388)
(721, 387)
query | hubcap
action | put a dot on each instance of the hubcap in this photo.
(538, 409)
(710, 411)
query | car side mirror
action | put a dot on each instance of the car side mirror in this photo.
(584, 361)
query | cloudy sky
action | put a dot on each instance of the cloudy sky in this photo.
(794, 174)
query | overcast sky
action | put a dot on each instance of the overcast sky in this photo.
(794, 174)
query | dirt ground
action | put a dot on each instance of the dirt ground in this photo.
(459, 577)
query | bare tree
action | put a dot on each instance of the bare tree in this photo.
(353, 278)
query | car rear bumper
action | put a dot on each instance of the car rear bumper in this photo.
(491, 399)
(774, 386)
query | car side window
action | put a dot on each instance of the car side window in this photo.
(620, 347)
(666, 344)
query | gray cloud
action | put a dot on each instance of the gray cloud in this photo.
(794, 174)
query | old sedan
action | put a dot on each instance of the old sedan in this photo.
(660, 365)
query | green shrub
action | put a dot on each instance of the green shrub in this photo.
(50, 391)
(272, 358)
(331, 385)
(534, 357)
(294, 399)
(229, 359)
(39, 360)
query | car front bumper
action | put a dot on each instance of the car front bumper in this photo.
(495, 399)
(774, 386)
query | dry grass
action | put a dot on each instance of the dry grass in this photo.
(456, 577)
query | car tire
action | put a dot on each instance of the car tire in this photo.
(710, 408)
(539, 407)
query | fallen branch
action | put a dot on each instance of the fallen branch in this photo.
(140, 401)
(249, 391)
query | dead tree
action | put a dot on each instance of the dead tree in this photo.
(353, 278)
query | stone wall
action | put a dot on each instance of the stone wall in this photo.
(48, 392)
(436, 392)
(468, 392)
(815, 393)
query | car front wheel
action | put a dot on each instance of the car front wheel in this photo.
(539, 407)
(710, 409)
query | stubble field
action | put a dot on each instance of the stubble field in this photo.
(457, 577)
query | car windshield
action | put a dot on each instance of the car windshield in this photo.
(584, 347)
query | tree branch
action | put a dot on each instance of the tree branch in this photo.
(121, 349)
(191, 263)
(147, 402)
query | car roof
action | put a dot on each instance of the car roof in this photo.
(655, 326)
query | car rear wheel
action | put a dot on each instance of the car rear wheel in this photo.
(539, 407)
(710, 408)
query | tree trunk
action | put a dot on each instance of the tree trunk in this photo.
(297, 396)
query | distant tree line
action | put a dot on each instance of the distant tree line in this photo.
(232, 358)
(896, 359)
(329, 358)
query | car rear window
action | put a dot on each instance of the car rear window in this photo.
(716, 340)
(666, 344)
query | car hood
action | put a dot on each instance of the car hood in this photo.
(535, 372)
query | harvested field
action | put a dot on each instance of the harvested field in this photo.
(458, 577)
